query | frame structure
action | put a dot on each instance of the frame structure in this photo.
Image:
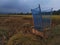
(41, 20)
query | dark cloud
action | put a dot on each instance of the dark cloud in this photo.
(26, 5)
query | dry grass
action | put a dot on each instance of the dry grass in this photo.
(14, 23)
(30, 16)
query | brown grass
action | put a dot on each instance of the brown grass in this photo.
(15, 23)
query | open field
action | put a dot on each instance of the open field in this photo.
(54, 18)
(30, 16)
(12, 24)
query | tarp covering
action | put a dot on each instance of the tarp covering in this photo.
(39, 22)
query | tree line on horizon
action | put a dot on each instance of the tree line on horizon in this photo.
(43, 13)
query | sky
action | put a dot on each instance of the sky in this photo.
(17, 6)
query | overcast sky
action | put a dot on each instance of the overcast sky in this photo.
(7, 6)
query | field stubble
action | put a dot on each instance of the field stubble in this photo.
(14, 23)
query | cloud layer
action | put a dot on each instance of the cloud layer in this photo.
(27, 5)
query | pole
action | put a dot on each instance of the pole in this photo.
(41, 24)
(50, 17)
(39, 8)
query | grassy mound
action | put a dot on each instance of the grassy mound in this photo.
(24, 39)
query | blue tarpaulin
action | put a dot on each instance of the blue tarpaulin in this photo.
(39, 22)
(37, 18)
